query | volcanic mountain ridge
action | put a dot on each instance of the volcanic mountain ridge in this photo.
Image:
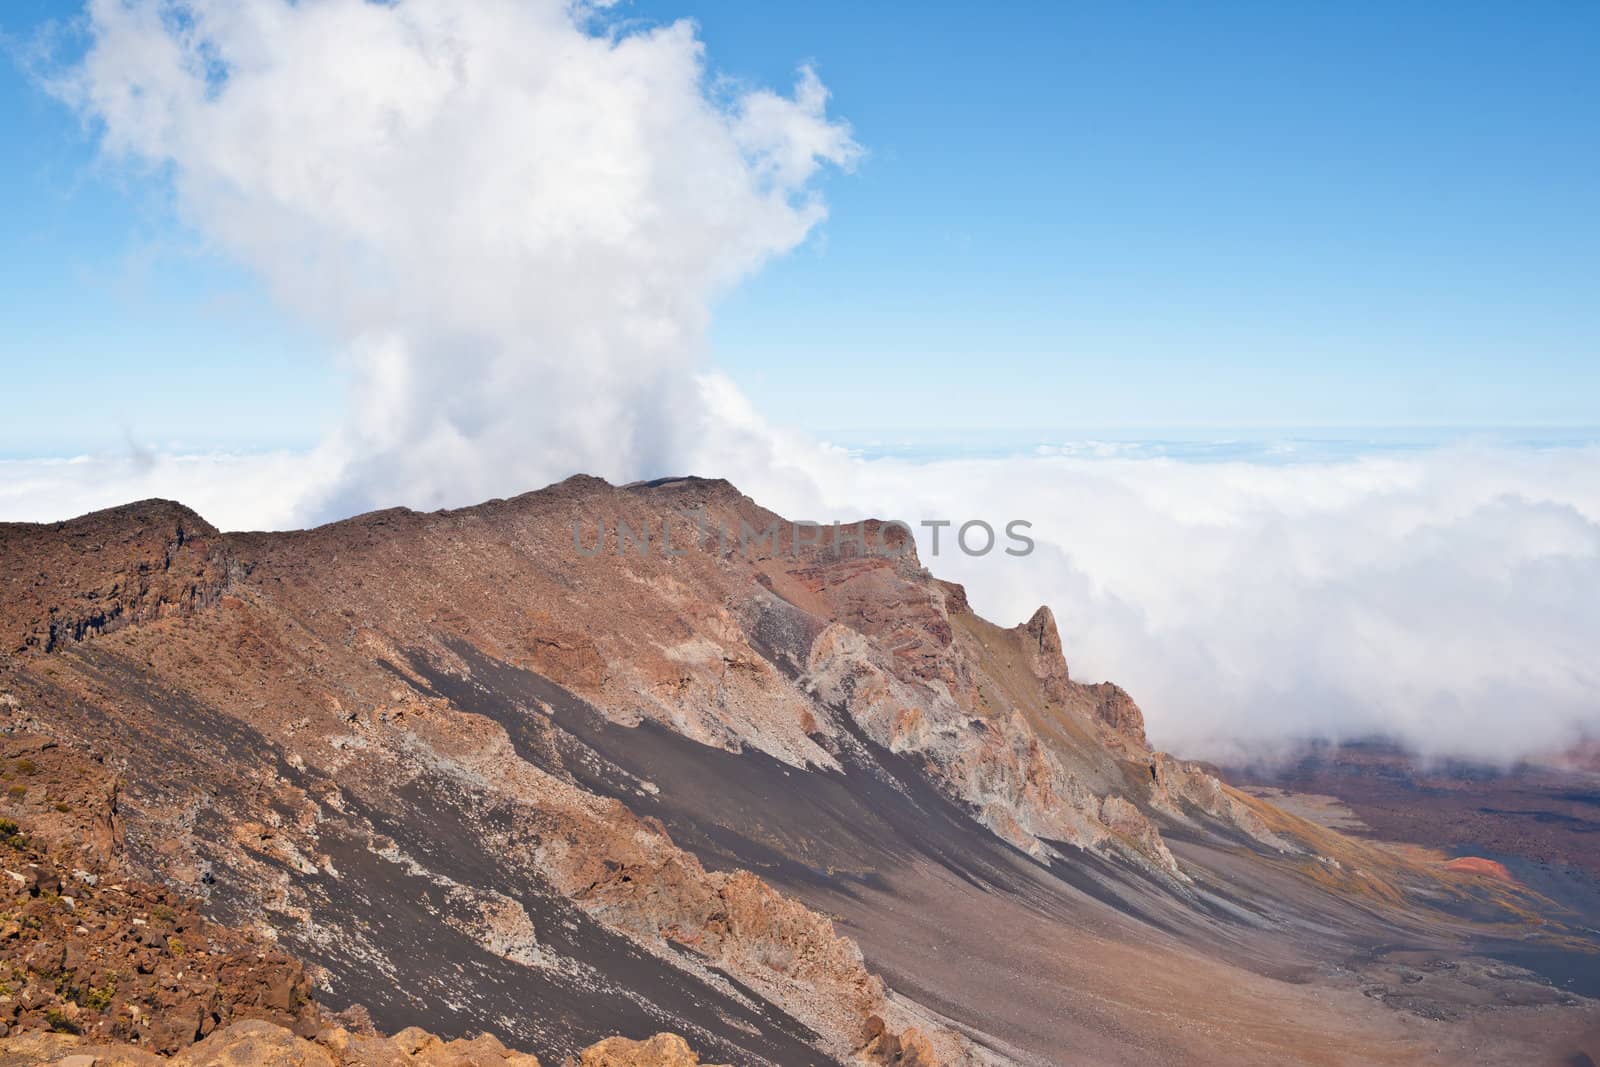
(801, 805)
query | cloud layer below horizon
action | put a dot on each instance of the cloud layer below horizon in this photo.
(513, 219)
(1444, 598)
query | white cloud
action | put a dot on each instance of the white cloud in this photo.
(511, 214)
(249, 491)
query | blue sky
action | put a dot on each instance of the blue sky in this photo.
(1070, 216)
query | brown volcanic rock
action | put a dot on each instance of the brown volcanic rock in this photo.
(464, 767)
(662, 1050)
(1121, 717)
(46, 1049)
(415, 1047)
(67, 797)
(910, 1049)
(262, 1044)
(253, 1044)
(67, 581)
(112, 957)
(1043, 645)
(740, 921)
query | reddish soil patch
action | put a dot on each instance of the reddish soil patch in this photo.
(1479, 865)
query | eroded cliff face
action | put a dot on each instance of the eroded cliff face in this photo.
(460, 765)
(65, 582)
(993, 714)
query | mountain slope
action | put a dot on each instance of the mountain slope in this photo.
(793, 801)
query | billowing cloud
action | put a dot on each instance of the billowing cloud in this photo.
(512, 215)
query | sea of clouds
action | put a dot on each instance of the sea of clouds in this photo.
(513, 219)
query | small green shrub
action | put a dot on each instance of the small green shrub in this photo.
(95, 998)
(60, 1023)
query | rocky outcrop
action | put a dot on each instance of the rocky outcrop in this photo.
(262, 1044)
(662, 1050)
(89, 950)
(888, 1049)
(70, 581)
(1183, 789)
(1042, 646)
(1115, 710)
(737, 922)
